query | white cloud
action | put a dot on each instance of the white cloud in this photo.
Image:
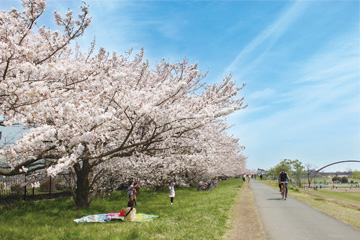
(262, 94)
(314, 115)
(266, 39)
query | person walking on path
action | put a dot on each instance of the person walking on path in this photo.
(172, 192)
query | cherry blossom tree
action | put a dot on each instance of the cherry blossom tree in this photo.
(207, 153)
(31, 63)
(96, 112)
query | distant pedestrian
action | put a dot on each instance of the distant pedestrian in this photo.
(261, 176)
(172, 192)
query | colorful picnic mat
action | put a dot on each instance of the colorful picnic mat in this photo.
(106, 217)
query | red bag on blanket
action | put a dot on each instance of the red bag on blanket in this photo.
(122, 213)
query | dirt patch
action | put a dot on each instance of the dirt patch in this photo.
(244, 218)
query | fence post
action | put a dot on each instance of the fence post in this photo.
(25, 189)
(50, 189)
(25, 193)
(2, 187)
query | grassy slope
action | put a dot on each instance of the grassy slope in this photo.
(194, 215)
(351, 197)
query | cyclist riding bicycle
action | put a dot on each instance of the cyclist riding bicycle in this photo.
(284, 177)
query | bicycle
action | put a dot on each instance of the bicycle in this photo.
(202, 187)
(284, 190)
(210, 187)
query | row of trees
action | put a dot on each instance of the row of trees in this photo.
(295, 169)
(356, 174)
(108, 118)
(340, 179)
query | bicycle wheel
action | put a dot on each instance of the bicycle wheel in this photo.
(285, 193)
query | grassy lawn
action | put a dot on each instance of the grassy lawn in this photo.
(327, 201)
(351, 197)
(194, 215)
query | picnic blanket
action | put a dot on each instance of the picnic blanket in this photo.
(106, 217)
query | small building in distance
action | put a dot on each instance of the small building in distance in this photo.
(261, 171)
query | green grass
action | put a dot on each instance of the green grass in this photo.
(194, 215)
(351, 197)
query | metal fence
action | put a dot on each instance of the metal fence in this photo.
(16, 188)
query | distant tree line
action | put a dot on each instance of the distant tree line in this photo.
(340, 179)
(297, 170)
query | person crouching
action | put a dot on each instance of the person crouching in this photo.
(130, 212)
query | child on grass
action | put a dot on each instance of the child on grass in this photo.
(172, 192)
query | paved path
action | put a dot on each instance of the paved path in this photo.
(293, 219)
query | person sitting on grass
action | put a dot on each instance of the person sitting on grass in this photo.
(130, 212)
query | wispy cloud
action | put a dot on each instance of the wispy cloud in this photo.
(253, 53)
(330, 76)
(318, 115)
(262, 94)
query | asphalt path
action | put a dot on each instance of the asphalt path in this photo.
(293, 219)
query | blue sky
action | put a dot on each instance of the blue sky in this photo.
(299, 59)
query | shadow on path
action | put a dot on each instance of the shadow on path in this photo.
(275, 199)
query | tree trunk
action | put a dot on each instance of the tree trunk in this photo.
(82, 184)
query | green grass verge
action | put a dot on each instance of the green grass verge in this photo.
(194, 215)
(351, 197)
